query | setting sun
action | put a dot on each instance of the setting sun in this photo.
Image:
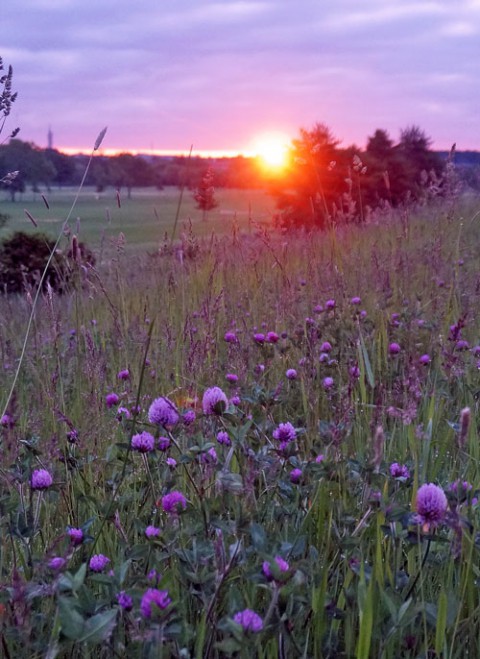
(272, 148)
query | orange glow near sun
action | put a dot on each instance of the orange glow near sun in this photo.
(272, 148)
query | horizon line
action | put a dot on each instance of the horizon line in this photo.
(195, 153)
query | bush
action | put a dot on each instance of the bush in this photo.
(24, 257)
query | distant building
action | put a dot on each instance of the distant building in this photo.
(49, 138)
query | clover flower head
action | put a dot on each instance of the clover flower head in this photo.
(41, 479)
(153, 598)
(98, 562)
(214, 401)
(431, 505)
(249, 620)
(163, 412)
(285, 432)
(144, 442)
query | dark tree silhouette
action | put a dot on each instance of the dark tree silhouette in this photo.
(204, 195)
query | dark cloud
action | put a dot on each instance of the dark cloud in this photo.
(215, 73)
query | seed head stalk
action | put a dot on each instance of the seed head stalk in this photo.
(97, 144)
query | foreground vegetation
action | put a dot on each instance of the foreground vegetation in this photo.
(226, 454)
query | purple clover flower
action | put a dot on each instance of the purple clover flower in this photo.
(111, 399)
(163, 443)
(249, 620)
(143, 442)
(189, 417)
(230, 337)
(431, 505)
(280, 564)
(41, 479)
(295, 476)
(328, 383)
(330, 305)
(152, 532)
(285, 432)
(98, 562)
(125, 601)
(232, 378)
(272, 337)
(223, 438)
(171, 462)
(57, 563)
(394, 349)
(259, 337)
(163, 412)
(124, 374)
(424, 360)
(76, 536)
(291, 374)
(174, 502)
(153, 598)
(326, 346)
(214, 401)
(356, 300)
(399, 471)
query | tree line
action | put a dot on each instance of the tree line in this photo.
(322, 181)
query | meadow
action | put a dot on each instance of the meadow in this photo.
(264, 445)
(143, 219)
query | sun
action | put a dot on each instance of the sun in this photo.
(272, 149)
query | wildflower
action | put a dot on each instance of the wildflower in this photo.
(230, 337)
(171, 462)
(153, 598)
(272, 337)
(123, 413)
(231, 377)
(7, 421)
(318, 308)
(174, 502)
(394, 349)
(56, 563)
(354, 372)
(259, 368)
(356, 300)
(124, 374)
(320, 458)
(98, 562)
(210, 457)
(461, 345)
(259, 338)
(291, 374)
(152, 532)
(223, 438)
(75, 535)
(249, 620)
(143, 442)
(424, 360)
(328, 383)
(41, 479)
(163, 412)
(285, 432)
(431, 505)
(399, 471)
(163, 443)
(295, 476)
(214, 401)
(235, 400)
(125, 601)
(279, 563)
(111, 400)
(189, 417)
(326, 346)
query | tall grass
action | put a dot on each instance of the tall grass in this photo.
(317, 534)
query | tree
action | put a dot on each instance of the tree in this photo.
(313, 182)
(204, 195)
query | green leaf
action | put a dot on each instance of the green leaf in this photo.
(71, 620)
(258, 535)
(366, 363)
(441, 622)
(99, 628)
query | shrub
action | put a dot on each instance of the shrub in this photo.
(24, 257)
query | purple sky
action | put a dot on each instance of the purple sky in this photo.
(165, 74)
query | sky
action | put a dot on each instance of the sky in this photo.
(219, 74)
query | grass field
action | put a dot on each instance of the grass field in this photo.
(144, 219)
(269, 449)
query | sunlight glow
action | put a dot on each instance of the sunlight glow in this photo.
(272, 148)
